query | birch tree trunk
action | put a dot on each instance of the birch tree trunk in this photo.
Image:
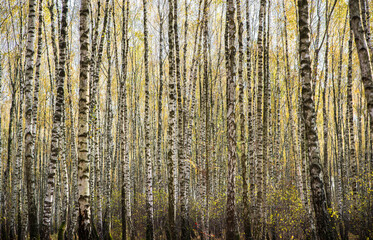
(266, 94)
(64, 176)
(74, 204)
(37, 70)
(241, 139)
(94, 109)
(184, 185)
(364, 12)
(231, 124)
(148, 159)
(109, 141)
(363, 54)
(84, 217)
(160, 106)
(250, 118)
(5, 184)
(171, 133)
(56, 143)
(92, 115)
(366, 78)
(36, 103)
(350, 119)
(364, 61)
(259, 118)
(338, 111)
(179, 140)
(17, 169)
(189, 111)
(323, 223)
(205, 126)
(126, 180)
(325, 123)
(29, 136)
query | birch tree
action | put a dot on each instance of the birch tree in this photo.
(231, 124)
(84, 217)
(56, 143)
(149, 172)
(323, 223)
(171, 132)
(29, 136)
